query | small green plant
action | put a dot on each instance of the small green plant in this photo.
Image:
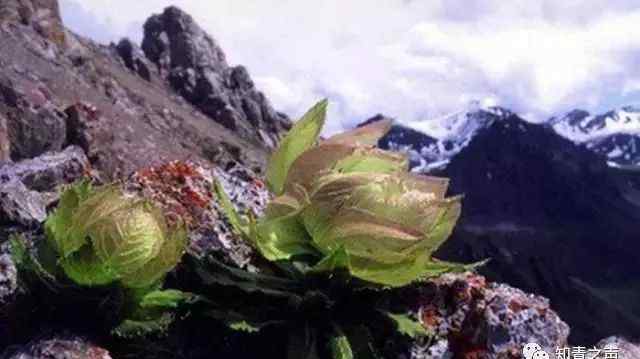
(102, 238)
(347, 225)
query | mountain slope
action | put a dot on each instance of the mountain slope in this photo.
(58, 89)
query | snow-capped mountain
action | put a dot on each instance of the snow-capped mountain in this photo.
(615, 135)
(430, 144)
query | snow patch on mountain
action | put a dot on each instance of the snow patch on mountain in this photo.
(615, 134)
(430, 144)
(580, 126)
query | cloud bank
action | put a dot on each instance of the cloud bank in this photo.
(412, 60)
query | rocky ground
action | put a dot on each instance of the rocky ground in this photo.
(165, 119)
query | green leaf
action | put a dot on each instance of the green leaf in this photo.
(166, 259)
(302, 136)
(406, 325)
(339, 345)
(218, 273)
(230, 211)
(243, 322)
(283, 237)
(18, 250)
(169, 298)
(336, 260)
(61, 233)
(435, 268)
(27, 263)
(244, 326)
(130, 329)
(85, 268)
(373, 160)
(129, 238)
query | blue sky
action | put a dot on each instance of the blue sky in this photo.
(414, 59)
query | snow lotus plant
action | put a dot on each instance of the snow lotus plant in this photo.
(102, 238)
(347, 224)
(346, 204)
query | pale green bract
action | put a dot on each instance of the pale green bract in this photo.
(351, 206)
(103, 236)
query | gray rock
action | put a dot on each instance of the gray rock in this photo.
(21, 184)
(19, 205)
(624, 348)
(60, 347)
(42, 15)
(184, 189)
(31, 125)
(5, 149)
(35, 131)
(46, 172)
(473, 318)
(134, 58)
(8, 279)
(197, 69)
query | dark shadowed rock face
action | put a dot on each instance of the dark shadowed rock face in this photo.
(554, 219)
(134, 58)
(197, 69)
(32, 124)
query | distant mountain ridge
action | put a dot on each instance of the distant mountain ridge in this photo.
(614, 136)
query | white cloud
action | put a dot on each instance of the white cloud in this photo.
(413, 60)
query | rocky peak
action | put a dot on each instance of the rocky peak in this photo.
(42, 15)
(196, 67)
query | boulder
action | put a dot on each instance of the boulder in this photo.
(49, 170)
(25, 186)
(183, 190)
(21, 206)
(623, 347)
(473, 318)
(60, 347)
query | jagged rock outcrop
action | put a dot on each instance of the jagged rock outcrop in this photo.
(110, 101)
(42, 15)
(197, 69)
(134, 58)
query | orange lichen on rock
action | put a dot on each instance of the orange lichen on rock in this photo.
(180, 188)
